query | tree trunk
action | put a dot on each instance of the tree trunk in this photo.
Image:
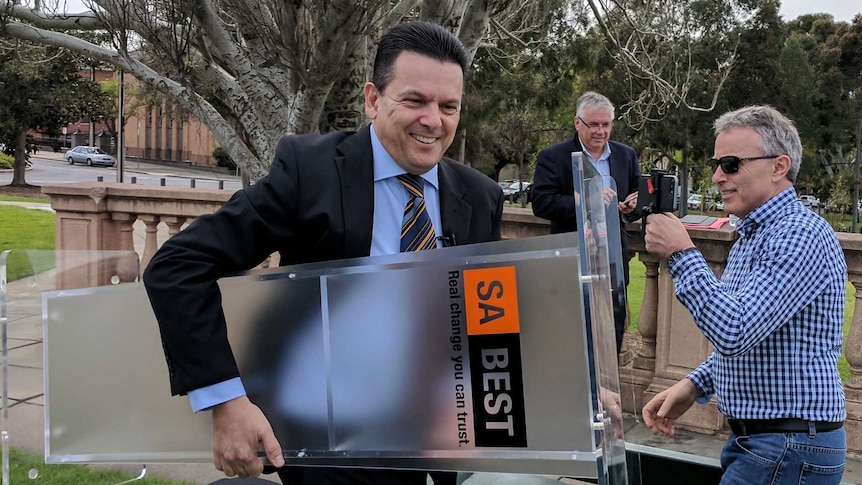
(20, 164)
(462, 148)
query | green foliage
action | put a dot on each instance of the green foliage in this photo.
(43, 91)
(223, 159)
(22, 463)
(840, 197)
(6, 161)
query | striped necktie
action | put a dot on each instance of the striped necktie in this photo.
(417, 232)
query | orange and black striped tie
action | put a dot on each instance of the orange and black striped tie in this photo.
(417, 232)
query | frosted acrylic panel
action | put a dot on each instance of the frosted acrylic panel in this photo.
(599, 233)
(354, 363)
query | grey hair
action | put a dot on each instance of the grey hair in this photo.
(777, 132)
(592, 99)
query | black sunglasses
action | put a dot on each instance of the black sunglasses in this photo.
(730, 163)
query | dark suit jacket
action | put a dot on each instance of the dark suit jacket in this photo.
(553, 187)
(316, 204)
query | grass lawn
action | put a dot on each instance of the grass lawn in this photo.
(24, 463)
(24, 230)
(636, 292)
(27, 229)
(15, 198)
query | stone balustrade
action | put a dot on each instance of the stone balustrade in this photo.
(100, 216)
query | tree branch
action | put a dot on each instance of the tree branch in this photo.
(190, 101)
(75, 21)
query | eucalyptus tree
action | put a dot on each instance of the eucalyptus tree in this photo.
(833, 137)
(252, 70)
(694, 45)
(671, 52)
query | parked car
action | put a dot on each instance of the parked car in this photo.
(89, 155)
(694, 201)
(527, 194)
(809, 201)
(512, 192)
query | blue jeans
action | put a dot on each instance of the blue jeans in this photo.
(784, 458)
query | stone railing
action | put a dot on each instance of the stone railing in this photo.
(96, 220)
(102, 216)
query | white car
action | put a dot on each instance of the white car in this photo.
(809, 201)
(694, 201)
(89, 155)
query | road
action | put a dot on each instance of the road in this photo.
(52, 169)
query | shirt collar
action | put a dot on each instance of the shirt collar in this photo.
(781, 203)
(385, 166)
(606, 153)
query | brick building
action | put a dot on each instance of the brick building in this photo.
(160, 133)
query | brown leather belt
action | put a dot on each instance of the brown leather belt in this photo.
(745, 427)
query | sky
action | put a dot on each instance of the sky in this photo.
(842, 10)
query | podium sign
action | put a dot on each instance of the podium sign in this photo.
(470, 358)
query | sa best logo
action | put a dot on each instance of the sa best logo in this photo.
(493, 336)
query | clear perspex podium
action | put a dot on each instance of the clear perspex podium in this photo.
(470, 358)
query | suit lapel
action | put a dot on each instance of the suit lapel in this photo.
(455, 213)
(619, 172)
(355, 166)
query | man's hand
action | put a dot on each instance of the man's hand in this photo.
(665, 234)
(628, 205)
(239, 430)
(662, 411)
(609, 403)
(608, 194)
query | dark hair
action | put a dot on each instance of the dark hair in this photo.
(425, 38)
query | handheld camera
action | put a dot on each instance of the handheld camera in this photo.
(658, 192)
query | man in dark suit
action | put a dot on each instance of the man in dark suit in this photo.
(326, 197)
(553, 186)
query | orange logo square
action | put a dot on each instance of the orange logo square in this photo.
(491, 299)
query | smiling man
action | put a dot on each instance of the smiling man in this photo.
(326, 197)
(774, 317)
(554, 188)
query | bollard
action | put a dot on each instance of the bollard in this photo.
(162, 182)
(100, 179)
(221, 184)
(134, 180)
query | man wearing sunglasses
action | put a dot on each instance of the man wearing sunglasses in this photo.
(774, 317)
(553, 186)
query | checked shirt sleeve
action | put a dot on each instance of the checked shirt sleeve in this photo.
(701, 377)
(770, 277)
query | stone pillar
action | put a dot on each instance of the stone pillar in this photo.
(83, 227)
(174, 224)
(151, 243)
(637, 375)
(126, 268)
(87, 233)
(852, 246)
(648, 317)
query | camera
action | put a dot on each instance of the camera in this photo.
(658, 192)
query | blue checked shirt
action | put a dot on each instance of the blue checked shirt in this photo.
(774, 318)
